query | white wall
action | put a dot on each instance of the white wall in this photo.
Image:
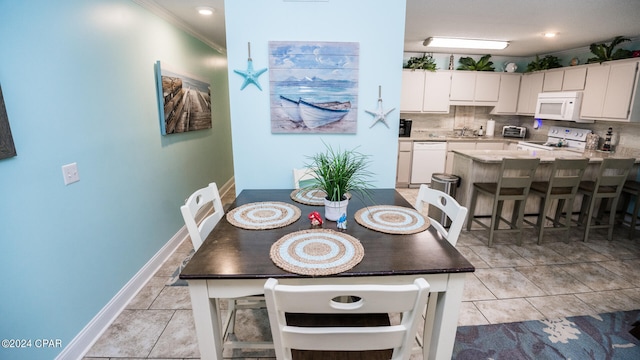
(265, 160)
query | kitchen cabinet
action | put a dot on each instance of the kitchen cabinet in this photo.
(530, 87)
(474, 88)
(564, 79)
(609, 91)
(508, 94)
(574, 78)
(553, 80)
(436, 92)
(412, 91)
(425, 91)
(403, 173)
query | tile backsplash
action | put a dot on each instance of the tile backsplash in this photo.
(626, 135)
(471, 117)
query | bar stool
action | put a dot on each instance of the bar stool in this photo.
(513, 183)
(607, 188)
(562, 186)
(631, 190)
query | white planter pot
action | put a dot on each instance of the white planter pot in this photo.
(334, 209)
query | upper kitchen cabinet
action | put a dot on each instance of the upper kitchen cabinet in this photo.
(508, 94)
(552, 80)
(425, 91)
(609, 91)
(412, 91)
(572, 79)
(530, 86)
(474, 88)
(436, 91)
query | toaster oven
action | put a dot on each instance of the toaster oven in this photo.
(514, 131)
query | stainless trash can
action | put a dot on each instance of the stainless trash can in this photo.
(447, 183)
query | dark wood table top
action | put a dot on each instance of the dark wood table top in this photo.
(234, 253)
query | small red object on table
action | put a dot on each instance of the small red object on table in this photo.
(315, 218)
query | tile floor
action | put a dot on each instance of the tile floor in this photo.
(562, 277)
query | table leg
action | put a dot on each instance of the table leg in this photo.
(205, 315)
(445, 322)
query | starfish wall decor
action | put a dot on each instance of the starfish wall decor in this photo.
(250, 75)
(379, 115)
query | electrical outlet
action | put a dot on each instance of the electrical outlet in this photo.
(70, 173)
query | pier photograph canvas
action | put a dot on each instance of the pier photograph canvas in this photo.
(313, 86)
(184, 102)
(7, 148)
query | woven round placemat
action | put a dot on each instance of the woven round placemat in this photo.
(263, 215)
(313, 197)
(316, 252)
(392, 219)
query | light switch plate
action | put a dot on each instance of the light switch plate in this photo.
(70, 173)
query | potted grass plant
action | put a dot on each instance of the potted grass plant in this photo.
(339, 173)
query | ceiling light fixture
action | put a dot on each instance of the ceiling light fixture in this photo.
(549, 34)
(205, 10)
(465, 43)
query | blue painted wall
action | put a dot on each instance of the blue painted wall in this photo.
(78, 84)
(265, 160)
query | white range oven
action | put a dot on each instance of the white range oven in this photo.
(559, 138)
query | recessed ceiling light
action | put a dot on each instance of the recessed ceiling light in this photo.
(549, 34)
(205, 10)
(465, 43)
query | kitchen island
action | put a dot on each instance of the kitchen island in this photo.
(484, 165)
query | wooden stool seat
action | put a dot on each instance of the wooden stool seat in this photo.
(514, 182)
(607, 188)
(562, 186)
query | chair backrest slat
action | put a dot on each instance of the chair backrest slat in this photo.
(302, 177)
(614, 172)
(567, 173)
(448, 205)
(517, 173)
(409, 300)
(196, 204)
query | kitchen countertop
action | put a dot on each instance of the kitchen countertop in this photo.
(435, 137)
(545, 156)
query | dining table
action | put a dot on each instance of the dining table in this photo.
(236, 260)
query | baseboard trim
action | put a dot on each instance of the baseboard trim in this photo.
(82, 343)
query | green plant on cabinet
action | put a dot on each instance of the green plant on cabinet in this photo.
(546, 63)
(483, 64)
(426, 62)
(604, 52)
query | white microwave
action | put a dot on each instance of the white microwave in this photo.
(563, 105)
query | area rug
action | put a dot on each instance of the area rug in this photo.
(602, 336)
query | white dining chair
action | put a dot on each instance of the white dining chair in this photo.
(206, 203)
(448, 205)
(195, 207)
(458, 215)
(312, 321)
(302, 177)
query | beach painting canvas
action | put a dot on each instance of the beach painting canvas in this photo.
(7, 148)
(184, 101)
(313, 87)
